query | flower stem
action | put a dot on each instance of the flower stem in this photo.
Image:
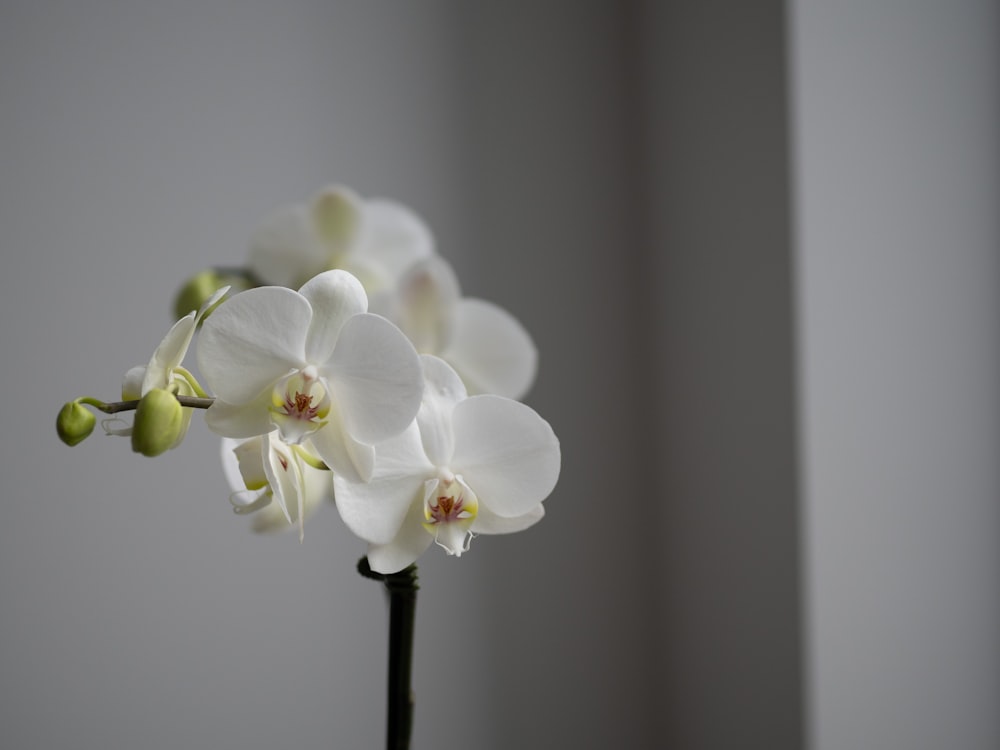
(402, 588)
(116, 406)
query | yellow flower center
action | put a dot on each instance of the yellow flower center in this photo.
(299, 405)
(450, 508)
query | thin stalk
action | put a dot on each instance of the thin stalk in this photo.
(116, 406)
(402, 588)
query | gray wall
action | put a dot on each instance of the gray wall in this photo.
(571, 617)
(721, 297)
(897, 111)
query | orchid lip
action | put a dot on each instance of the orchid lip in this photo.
(450, 507)
(300, 404)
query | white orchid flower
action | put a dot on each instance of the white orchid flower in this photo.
(487, 346)
(279, 483)
(375, 240)
(165, 370)
(466, 466)
(314, 364)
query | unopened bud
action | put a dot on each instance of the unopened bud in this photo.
(75, 423)
(159, 419)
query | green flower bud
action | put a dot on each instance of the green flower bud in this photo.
(159, 419)
(196, 291)
(74, 423)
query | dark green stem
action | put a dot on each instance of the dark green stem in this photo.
(402, 588)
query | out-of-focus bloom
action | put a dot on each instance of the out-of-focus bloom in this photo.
(487, 346)
(467, 466)
(375, 240)
(314, 364)
(275, 481)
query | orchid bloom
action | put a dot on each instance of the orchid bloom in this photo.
(375, 240)
(466, 466)
(486, 345)
(164, 369)
(279, 483)
(314, 364)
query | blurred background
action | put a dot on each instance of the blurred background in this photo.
(757, 246)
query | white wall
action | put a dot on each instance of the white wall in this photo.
(897, 169)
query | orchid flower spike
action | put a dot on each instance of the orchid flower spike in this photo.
(466, 466)
(313, 364)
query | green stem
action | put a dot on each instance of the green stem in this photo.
(402, 588)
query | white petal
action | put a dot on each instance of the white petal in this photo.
(428, 294)
(382, 301)
(369, 273)
(337, 217)
(169, 354)
(488, 522)
(334, 297)
(243, 464)
(245, 502)
(375, 510)
(376, 377)
(253, 339)
(230, 464)
(409, 543)
(442, 390)
(269, 519)
(240, 420)
(318, 484)
(210, 303)
(343, 454)
(132, 383)
(282, 474)
(491, 350)
(286, 250)
(317, 489)
(124, 431)
(402, 456)
(395, 237)
(453, 539)
(505, 452)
